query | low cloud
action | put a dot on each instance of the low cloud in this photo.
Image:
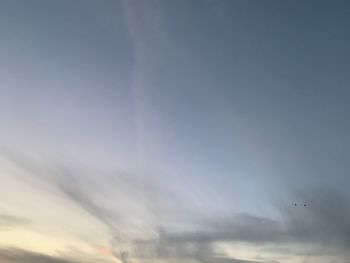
(116, 200)
(227, 260)
(319, 229)
(22, 256)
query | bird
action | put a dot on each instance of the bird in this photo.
(295, 204)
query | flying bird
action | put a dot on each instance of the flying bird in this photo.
(295, 204)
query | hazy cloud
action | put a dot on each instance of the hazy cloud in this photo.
(323, 221)
(10, 220)
(22, 256)
(227, 260)
(319, 229)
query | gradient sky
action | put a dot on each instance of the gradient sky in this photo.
(174, 131)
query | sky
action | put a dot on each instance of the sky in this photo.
(199, 131)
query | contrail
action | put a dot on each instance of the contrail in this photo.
(145, 23)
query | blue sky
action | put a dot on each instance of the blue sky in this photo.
(175, 121)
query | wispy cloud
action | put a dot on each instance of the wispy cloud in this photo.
(118, 199)
(7, 221)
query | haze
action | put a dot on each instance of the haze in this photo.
(174, 131)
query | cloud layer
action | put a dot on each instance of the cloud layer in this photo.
(22, 256)
(116, 200)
